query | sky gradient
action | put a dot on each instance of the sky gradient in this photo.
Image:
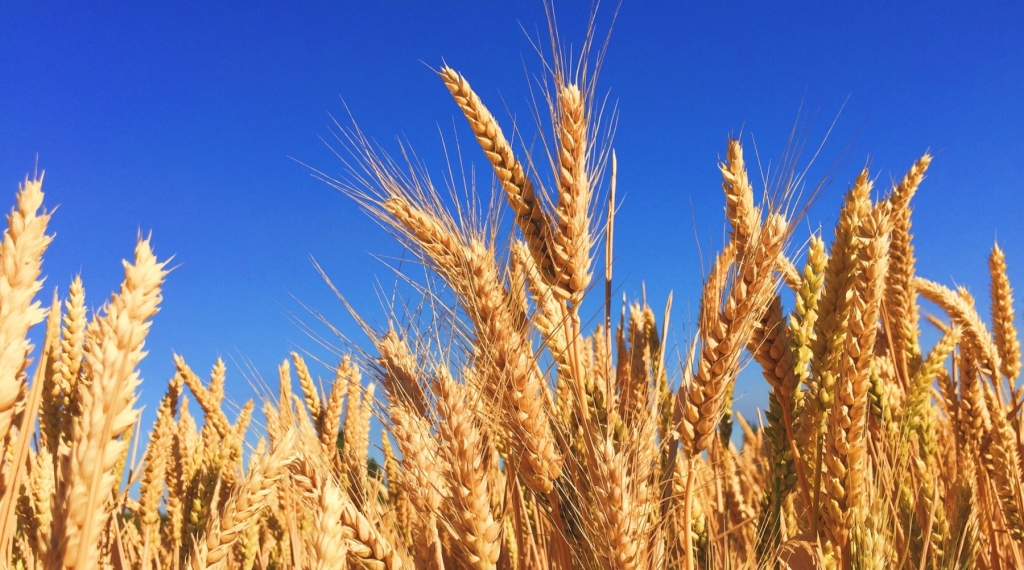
(184, 119)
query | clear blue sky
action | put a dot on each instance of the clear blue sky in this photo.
(180, 118)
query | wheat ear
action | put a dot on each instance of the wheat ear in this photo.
(330, 423)
(744, 217)
(900, 297)
(1000, 454)
(309, 390)
(1003, 316)
(59, 406)
(830, 332)
(475, 529)
(422, 478)
(503, 349)
(354, 454)
(400, 371)
(977, 341)
(571, 246)
(244, 506)
(206, 398)
(155, 467)
(21, 257)
(518, 188)
(846, 457)
(724, 332)
(113, 349)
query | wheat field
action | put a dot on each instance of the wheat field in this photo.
(523, 430)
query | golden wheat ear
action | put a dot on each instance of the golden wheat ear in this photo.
(24, 243)
(113, 349)
(243, 508)
(519, 189)
(1003, 316)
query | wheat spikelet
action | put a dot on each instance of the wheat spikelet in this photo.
(1003, 315)
(113, 349)
(21, 254)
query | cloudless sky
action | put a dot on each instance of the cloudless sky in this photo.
(182, 118)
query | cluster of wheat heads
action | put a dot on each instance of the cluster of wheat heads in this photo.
(514, 437)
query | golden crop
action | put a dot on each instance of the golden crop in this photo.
(517, 437)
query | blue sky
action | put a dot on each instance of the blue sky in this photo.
(181, 118)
